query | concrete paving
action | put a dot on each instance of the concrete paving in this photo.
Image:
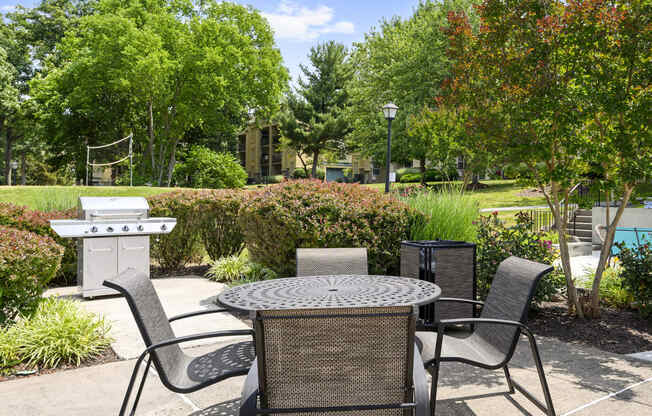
(178, 295)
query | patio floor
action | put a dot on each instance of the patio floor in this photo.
(583, 380)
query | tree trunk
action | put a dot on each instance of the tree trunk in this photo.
(23, 169)
(466, 179)
(8, 149)
(305, 167)
(150, 135)
(606, 249)
(315, 162)
(173, 161)
(422, 167)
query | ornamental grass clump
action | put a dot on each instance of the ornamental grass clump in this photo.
(449, 215)
(59, 332)
(310, 214)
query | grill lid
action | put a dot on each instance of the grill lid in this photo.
(95, 208)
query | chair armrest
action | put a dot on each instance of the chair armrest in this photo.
(196, 313)
(447, 322)
(460, 300)
(195, 337)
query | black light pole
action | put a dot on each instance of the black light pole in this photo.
(389, 111)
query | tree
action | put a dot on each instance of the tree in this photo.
(404, 61)
(313, 120)
(528, 80)
(161, 69)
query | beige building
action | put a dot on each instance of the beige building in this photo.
(260, 153)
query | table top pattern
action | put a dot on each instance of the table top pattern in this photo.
(341, 291)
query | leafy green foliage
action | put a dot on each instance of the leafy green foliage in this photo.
(637, 273)
(281, 218)
(217, 220)
(239, 269)
(496, 242)
(204, 168)
(59, 332)
(27, 263)
(430, 175)
(182, 244)
(612, 289)
(449, 215)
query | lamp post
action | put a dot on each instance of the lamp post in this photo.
(389, 111)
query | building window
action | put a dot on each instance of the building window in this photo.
(264, 152)
(277, 154)
(460, 162)
(242, 149)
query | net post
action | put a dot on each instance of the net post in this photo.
(88, 155)
(131, 160)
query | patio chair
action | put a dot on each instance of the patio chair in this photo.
(321, 361)
(331, 261)
(178, 372)
(493, 341)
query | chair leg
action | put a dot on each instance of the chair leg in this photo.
(130, 387)
(548, 408)
(140, 387)
(434, 372)
(509, 380)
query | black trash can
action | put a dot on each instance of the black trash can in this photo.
(448, 264)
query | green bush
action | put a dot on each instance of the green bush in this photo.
(612, 290)
(36, 221)
(637, 274)
(300, 173)
(431, 175)
(400, 172)
(182, 245)
(217, 219)
(273, 179)
(410, 178)
(496, 242)
(281, 218)
(27, 263)
(449, 215)
(204, 168)
(58, 332)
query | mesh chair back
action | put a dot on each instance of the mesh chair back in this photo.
(509, 297)
(150, 317)
(321, 358)
(331, 261)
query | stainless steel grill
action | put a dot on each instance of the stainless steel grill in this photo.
(113, 235)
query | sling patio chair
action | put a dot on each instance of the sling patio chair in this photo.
(357, 361)
(496, 332)
(331, 261)
(178, 372)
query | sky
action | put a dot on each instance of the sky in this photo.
(300, 24)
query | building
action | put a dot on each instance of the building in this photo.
(261, 155)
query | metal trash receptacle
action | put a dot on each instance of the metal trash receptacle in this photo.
(448, 264)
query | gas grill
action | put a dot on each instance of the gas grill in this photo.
(113, 235)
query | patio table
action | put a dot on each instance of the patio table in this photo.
(339, 291)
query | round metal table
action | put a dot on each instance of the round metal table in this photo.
(341, 291)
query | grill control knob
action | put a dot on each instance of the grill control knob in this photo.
(140, 227)
(125, 228)
(109, 229)
(93, 229)
(164, 227)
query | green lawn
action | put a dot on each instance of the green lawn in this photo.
(500, 193)
(49, 198)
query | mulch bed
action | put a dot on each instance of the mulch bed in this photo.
(107, 357)
(616, 331)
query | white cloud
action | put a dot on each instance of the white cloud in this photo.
(291, 21)
(7, 9)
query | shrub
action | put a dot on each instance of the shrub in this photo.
(59, 332)
(273, 179)
(496, 242)
(27, 263)
(410, 178)
(181, 246)
(300, 173)
(9, 349)
(400, 172)
(217, 218)
(612, 290)
(449, 215)
(281, 218)
(204, 168)
(238, 269)
(637, 274)
(431, 175)
(36, 221)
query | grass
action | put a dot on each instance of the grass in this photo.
(451, 215)
(51, 198)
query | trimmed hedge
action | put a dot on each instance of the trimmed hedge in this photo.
(28, 262)
(181, 246)
(217, 216)
(35, 221)
(281, 218)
